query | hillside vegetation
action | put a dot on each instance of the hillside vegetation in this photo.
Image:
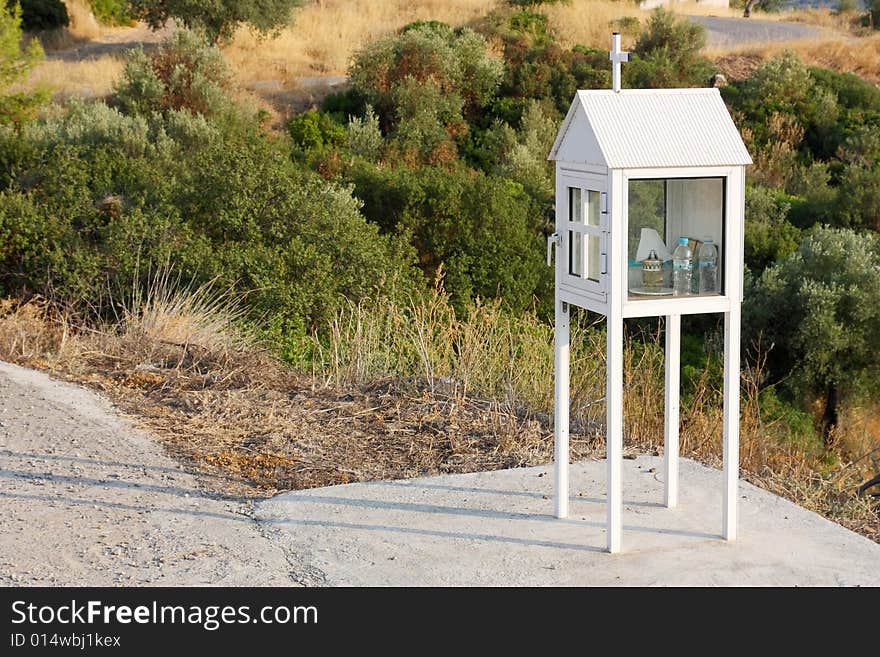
(381, 260)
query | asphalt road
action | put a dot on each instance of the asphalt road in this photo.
(724, 32)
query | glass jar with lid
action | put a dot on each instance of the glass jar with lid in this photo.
(652, 272)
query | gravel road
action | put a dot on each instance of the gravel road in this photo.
(723, 32)
(87, 499)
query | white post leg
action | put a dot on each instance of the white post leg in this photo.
(670, 438)
(614, 430)
(731, 421)
(561, 419)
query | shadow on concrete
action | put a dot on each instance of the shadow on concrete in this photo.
(467, 512)
(443, 534)
(126, 507)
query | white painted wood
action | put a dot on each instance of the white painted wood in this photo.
(561, 406)
(596, 303)
(617, 57)
(593, 289)
(730, 450)
(576, 142)
(660, 306)
(652, 173)
(734, 229)
(614, 364)
(608, 138)
(580, 168)
(670, 436)
(614, 432)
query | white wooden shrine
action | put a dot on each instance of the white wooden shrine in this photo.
(637, 169)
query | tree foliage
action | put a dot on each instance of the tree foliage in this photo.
(42, 14)
(424, 84)
(820, 308)
(15, 64)
(217, 18)
(480, 229)
(101, 196)
(184, 72)
(668, 54)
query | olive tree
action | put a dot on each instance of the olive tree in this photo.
(217, 18)
(820, 307)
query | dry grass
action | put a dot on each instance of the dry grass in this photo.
(326, 33)
(395, 392)
(92, 78)
(845, 54)
(83, 24)
(849, 21)
(590, 22)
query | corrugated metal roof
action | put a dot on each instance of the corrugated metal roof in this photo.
(645, 128)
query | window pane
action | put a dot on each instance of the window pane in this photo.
(575, 253)
(593, 208)
(647, 209)
(575, 207)
(594, 256)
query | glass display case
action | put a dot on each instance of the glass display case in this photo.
(663, 212)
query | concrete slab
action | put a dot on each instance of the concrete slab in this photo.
(496, 528)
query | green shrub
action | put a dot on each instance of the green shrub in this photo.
(820, 308)
(184, 72)
(15, 64)
(536, 68)
(42, 14)
(423, 84)
(103, 197)
(768, 234)
(218, 19)
(111, 12)
(453, 220)
(667, 54)
(364, 137)
(522, 155)
(314, 130)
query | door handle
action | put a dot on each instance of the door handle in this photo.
(551, 241)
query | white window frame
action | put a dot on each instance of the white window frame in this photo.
(586, 183)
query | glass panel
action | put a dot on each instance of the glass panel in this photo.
(593, 208)
(695, 210)
(594, 257)
(647, 209)
(575, 253)
(575, 206)
(662, 212)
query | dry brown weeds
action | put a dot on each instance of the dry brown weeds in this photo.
(250, 426)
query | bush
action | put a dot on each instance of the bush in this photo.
(536, 68)
(453, 220)
(768, 235)
(314, 130)
(185, 72)
(218, 19)
(423, 84)
(363, 136)
(42, 14)
(820, 308)
(15, 64)
(111, 12)
(522, 156)
(104, 198)
(667, 54)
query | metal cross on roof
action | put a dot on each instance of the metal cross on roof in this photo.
(617, 57)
